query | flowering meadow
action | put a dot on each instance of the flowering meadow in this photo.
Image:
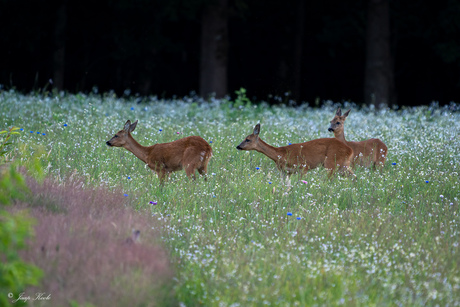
(247, 236)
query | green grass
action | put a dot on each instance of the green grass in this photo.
(388, 238)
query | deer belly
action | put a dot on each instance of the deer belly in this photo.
(161, 166)
(293, 168)
(174, 168)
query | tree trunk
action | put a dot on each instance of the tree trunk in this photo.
(379, 79)
(298, 48)
(214, 49)
(59, 51)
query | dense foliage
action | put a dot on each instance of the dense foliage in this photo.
(15, 229)
(154, 47)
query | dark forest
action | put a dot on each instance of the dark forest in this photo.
(380, 52)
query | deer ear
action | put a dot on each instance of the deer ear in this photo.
(133, 126)
(127, 124)
(256, 129)
(346, 113)
(339, 112)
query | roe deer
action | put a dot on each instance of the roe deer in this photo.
(289, 159)
(190, 153)
(368, 153)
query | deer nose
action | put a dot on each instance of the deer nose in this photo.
(108, 143)
(238, 147)
(330, 130)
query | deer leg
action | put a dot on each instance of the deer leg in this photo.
(202, 170)
(330, 165)
(162, 175)
(190, 171)
(345, 166)
(193, 160)
(190, 168)
(349, 172)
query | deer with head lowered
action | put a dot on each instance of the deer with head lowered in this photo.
(329, 152)
(368, 153)
(191, 153)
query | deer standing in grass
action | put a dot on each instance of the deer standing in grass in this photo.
(368, 153)
(191, 153)
(329, 152)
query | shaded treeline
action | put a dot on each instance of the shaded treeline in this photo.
(367, 51)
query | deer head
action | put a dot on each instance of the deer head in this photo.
(251, 141)
(120, 138)
(338, 121)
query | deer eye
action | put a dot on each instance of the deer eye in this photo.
(338, 123)
(247, 140)
(115, 136)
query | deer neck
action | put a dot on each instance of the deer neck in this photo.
(340, 135)
(270, 151)
(137, 149)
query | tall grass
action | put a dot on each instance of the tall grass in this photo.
(83, 245)
(245, 237)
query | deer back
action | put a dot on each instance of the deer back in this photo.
(306, 155)
(174, 155)
(368, 152)
(314, 153)
(365, 153)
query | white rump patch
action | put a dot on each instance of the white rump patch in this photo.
(202, 154)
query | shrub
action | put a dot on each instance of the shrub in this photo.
(15, 229)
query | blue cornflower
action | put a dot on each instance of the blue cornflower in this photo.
(38, 132)
(22, 129)
(43, 133)
(269, 182)
(125, 195)
(426, 181)
(31, 131)
(132, 108)
(394, 163)
(290, 144)
(152, 202)
(129, 177)
(257, 168)
(289, 213)
(299, 218)
(160, 130)
(65, 125)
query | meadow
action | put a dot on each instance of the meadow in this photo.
(246, 236)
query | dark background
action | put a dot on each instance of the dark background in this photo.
(313, 50)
